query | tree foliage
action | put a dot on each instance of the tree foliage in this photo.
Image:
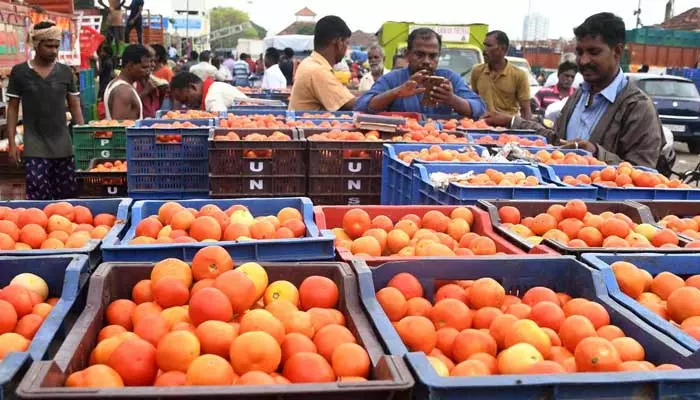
(306, 29)
(222, 17)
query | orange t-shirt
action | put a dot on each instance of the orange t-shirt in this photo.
(164, 73)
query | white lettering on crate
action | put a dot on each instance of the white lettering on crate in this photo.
(105, 153)
(354, 201)
(104, 142)
(112, 190)
(256, 184)
(256, 166)
(354, 185)
(354, 167)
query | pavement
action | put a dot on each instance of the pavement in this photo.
(684, 160)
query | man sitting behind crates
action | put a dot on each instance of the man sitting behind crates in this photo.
(188, 91)
(404, 90)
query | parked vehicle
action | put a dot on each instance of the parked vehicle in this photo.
(461, 44)
(678, 102)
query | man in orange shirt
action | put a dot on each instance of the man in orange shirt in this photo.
(315, 84)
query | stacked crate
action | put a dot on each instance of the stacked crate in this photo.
(88, 95)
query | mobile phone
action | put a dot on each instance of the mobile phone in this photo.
(430, 83)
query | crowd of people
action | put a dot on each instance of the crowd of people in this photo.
(607, 115)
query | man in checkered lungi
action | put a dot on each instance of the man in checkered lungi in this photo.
(44, 87)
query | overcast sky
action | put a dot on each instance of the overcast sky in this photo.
(506, 15)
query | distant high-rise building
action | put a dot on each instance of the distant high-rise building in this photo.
(535, 27)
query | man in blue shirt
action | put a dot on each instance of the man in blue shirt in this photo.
(608, 116)
(402, 89)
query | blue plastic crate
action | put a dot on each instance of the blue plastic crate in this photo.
(239, 111)
(86, 78)
(517, 275)
(554, 173)
(607, 193)
(580, 152)
(66, 277)
(475, 134)
(168, 170)
(117, 207)
(317, 245)
(318, 115)
(397, 176)
(199, 122)
(88, 95)
(349, 124)
(277, 106)
(425, 193)
(161, 113)
(683, 265)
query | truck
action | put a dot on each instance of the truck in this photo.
(252, 47)
(462, 45)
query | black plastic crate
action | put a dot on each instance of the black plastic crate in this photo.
(228, 186)
(390, 377)
(350, 185)
(344, 199)
(244, 157)
(343, 158)
(101, 184)
(245, 168)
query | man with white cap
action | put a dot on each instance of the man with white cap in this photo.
(44, 86)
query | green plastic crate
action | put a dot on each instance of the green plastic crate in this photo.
(93, 142)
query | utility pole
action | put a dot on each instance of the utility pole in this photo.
(669, 10)
(638, 13)
(187, 20)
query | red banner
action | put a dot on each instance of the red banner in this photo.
(90, 41)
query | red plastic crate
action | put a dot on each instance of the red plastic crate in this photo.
(329, 217)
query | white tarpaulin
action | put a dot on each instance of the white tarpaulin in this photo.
(296, 42)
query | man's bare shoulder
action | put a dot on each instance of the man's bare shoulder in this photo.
(123, 90)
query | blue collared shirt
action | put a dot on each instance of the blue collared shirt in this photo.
(397, 78)
(585, 118)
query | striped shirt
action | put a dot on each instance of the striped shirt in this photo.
(241, 69)
(585, 117)
(549, 95)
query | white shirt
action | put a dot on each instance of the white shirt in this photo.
(221, 97)
(108, 92)
(553, 79)
(368, 80)
(223, 74)
(342, 67)
(553, 110)
(274, 78)
(204, 70)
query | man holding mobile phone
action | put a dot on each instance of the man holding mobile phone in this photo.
(422, 86)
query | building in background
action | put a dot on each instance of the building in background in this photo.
(190, 18)
(535, 27)
(305, 21)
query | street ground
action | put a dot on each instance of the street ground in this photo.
(684, 160)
